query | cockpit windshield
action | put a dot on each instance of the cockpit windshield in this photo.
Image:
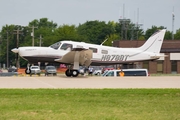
(56, 45)
(66, 46)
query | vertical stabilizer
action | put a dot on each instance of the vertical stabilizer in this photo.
(154, 43)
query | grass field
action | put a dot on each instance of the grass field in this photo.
(90, 104)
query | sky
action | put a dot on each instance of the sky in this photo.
(148, 13)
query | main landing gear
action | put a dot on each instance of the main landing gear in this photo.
(73, 73)
(76, 57)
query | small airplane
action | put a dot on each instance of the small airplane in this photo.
(75, 54)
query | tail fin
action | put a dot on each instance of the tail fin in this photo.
(154, 43)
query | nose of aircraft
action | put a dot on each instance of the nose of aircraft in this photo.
(15, 50)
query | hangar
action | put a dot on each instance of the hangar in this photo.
(166, 65)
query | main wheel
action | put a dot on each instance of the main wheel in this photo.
(74, 73)
(68, 73)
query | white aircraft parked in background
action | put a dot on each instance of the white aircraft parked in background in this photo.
(74, 54)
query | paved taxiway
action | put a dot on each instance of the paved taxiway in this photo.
(90, 82)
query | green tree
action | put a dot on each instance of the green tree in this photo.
(43, 22)
(142, 37)
(94, 31)
(177, 35)
(45, 29)
(9, 32)
(66, 32)
(151, 31)
(111, 38)
(168, 35)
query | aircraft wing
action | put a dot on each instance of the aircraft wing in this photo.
(77, 55)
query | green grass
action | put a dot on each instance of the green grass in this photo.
(90, 104)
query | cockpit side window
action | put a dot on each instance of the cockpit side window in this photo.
(56, 45)
(93, 49)
(66, 46)
(104, 51)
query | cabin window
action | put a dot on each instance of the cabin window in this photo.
(66, 46)
(104, 51)
(93, 49)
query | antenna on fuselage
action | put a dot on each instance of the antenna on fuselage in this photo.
(104, 41)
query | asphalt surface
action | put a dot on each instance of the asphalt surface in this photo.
(61, 81)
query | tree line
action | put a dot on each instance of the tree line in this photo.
(43, 32)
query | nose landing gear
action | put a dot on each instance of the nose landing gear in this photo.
(28, 70)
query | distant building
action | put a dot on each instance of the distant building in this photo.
(167, 65)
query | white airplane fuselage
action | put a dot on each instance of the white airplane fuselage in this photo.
(100, 54)
(114, 55)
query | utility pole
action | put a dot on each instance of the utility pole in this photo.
(40, 40)
(17, 32)
(32, 34)
(7, 50)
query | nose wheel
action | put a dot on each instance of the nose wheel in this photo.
(73, 73)
(28, 70)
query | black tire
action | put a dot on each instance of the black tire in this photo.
(74, 73)
(68, 73)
